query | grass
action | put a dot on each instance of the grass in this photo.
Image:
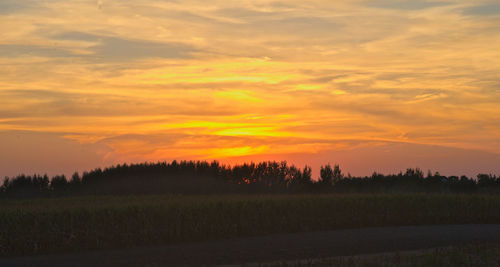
(471, 255)
(29, 227)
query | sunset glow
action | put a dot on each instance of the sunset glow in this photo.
(372, 85)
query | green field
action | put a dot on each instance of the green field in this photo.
(38, 226)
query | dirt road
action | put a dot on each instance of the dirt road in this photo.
(276, 247)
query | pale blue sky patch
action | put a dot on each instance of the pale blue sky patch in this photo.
(405, 4)
(483, 10)
(15, 6)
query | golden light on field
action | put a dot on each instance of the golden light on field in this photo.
(373, 85)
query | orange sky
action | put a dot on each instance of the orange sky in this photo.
(373, 85)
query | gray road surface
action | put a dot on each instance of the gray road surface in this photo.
(276, 247)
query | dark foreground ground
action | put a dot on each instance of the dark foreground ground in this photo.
(282, 247)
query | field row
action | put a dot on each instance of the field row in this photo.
(30, 227)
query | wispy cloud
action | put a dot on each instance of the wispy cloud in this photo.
(195, 79)
(111, 49)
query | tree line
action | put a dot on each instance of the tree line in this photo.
(202, 177)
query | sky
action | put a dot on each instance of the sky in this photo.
(375, 85)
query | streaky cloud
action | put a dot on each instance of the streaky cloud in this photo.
(111, 48)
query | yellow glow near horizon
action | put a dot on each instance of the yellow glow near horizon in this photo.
(236, 151)
(254, 131)
(238, 95)
(242, 70)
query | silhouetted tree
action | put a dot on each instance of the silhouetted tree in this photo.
(194, 177)
(330, 176)
(59, 183)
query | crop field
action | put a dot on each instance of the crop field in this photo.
(38, 226)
